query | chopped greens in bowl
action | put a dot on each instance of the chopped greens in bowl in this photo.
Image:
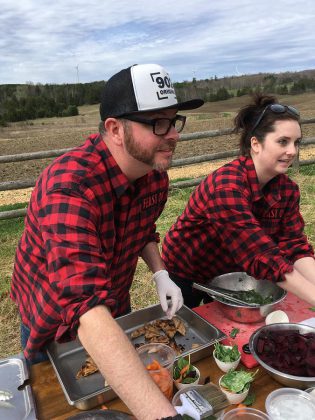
(237, 381)
(184, 372)
(226, 354)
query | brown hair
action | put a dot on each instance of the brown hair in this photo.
(246, 118)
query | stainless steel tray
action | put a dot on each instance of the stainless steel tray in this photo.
(13, 375)
(88, 392)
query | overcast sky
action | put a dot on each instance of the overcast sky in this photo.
(66, 41)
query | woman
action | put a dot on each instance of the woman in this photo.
(245, 215)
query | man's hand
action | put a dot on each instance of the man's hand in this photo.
(166, 287)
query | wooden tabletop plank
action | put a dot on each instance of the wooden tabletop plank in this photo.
(51, 403)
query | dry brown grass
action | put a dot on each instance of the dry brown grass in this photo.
(9, 328)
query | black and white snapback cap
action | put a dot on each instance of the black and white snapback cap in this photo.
(141, 88)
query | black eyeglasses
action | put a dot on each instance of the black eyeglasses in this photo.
(277, 109)
(161, 126)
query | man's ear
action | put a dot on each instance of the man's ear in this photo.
(114, 130)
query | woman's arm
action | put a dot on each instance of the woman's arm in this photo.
(299, 285)
(306, 267)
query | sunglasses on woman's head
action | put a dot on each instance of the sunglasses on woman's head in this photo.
(277, 109)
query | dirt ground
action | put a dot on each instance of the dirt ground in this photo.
(60, 133)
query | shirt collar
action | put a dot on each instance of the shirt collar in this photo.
(118, 179)
(270, 191)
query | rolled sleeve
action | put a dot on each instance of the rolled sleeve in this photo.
(76, 266)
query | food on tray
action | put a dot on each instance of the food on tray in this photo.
(179, 348)
(195, 345)
(138, 332)
(151, 331)
(156, 328)
(161, 331)
(288, 351)
(88, 368)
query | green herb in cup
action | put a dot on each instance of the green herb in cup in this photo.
(237, 381)
(184, 372)
(226, 354)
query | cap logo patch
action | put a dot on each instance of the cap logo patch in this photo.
(164, 85)
(152, 87)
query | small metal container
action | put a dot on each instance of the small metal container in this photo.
(241, 281)
(13, 376)
(300, 382)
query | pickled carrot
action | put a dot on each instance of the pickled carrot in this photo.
(162, 378)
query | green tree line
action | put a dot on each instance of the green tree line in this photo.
(21, 102)
(30, 101)
(220, 89)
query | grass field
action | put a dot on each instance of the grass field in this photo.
(40, 135)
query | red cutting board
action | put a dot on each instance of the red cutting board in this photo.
(296, 309)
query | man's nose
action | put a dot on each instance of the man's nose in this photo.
(172, 134)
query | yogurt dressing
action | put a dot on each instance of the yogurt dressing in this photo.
(286, 407)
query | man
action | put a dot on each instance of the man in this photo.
(91, 215)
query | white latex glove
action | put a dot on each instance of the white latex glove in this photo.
(166, 287)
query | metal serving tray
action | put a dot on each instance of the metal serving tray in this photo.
(13, 374)
(88, 392)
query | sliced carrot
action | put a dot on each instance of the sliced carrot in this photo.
(154, 365)
(162, 378)
(185, 368)
(241, 407)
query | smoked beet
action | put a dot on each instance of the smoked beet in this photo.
(288, 351)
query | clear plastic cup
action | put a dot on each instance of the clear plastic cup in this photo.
(245, 413)
(165, 357)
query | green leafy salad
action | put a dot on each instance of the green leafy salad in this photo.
(226, 354)
(251, 296)
(237, 381)
(184, 372)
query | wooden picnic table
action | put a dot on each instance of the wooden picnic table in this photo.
(51, 403)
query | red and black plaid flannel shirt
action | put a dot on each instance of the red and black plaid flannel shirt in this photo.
(85, 227)
(229, 224)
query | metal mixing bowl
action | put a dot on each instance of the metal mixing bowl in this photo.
(239, 281)
(291, 381)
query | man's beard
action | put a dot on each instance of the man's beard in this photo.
(136, 150)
